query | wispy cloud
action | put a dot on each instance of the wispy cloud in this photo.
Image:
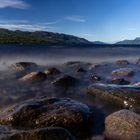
(76, 18)
(20, 4)
(131, 29)
(25, 25)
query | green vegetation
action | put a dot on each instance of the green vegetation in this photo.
(39, 37)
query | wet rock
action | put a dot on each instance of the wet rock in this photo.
(72, 62)
(52, 71)
(123, 125)
(123, 72)
(125, 96)
(138, 62)
(95, 78)
(120, 81)
(79, 70)
(122, 62)
(137, 84)
(34, 77)
(23, 66)
(46, 112)
(65, 81)
(49, 133)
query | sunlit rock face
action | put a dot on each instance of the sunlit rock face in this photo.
(34, 77)
(127, 96)
(39, 113)
(123, 125)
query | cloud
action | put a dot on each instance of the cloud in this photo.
(20, 4)
(131, 29)
(13, 21)
(25, 25)
(76, 18)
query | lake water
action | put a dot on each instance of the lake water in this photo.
(12, 90)
(58, 55)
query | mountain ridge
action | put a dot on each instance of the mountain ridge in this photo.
(135, 41)
(39, 37)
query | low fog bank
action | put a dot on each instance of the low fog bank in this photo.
(59, 55)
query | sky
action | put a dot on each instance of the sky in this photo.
(100, 20)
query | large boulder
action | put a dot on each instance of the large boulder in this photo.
(123, 125)
(23, 66)
(48, 133)
(46, 112)
(65, 81)
(126, 96)
(123, 72)
(34, 76)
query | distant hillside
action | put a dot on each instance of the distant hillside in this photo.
(99, 42)
(130, 42)
(39, 37)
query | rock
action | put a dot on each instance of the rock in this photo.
(72, 63)
(52, 71)
(79, 70)
(123, 72)
(123, 125)
(120, 81)
(95, 78)
(23, 66)
(34, 76)
(122, 62)
(137, 84)
(138, 62)
(49, 133)
(65, 81)
(46, 112)
(126, 96)
(94, 66)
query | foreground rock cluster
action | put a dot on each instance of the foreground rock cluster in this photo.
(74, 101)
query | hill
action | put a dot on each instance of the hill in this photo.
(39, 37)
(130, 42)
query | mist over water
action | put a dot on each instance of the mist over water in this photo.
(44, 55)
(12, 90)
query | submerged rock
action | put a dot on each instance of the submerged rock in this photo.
(79, 70)
(23, 66)
(95, 78)
(34, 76)
(48, 133)
(123, 125)
(72, 63)
(52, 71)
(39, 113)
(65, 81)
(126, 96)
(122, 62)
(123, 72)
(120, 81)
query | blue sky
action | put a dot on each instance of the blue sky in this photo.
(105, 20)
